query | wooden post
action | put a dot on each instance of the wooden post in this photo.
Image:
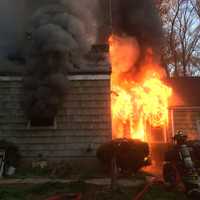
(2, 162)
(114, 174)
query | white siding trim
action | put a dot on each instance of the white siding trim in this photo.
(172, 122)
(70, 77)
(88, 77)
(165, 133)
(10, 78)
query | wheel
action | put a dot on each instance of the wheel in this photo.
(170, 174)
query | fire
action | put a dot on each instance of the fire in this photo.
(136, 104)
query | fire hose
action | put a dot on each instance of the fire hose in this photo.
(151, 182)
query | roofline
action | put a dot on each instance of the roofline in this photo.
(183, 107)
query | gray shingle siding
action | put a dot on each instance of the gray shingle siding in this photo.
(185, 118)
(84, 120)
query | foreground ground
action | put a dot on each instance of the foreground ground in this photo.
(37, 184)
(88, 191)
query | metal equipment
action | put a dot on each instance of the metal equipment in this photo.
(179, 166)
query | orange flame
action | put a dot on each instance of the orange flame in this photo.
(136, 104)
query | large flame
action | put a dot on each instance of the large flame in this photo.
(136, 103)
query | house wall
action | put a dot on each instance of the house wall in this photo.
(83, 121)
(186, 119)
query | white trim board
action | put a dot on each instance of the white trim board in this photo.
(88, 77)
(10, 78)
(70, 77)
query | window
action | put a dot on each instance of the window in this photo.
(157, 135)
(42, 123)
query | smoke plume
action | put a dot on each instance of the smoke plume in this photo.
(13, 18)
(61, 32)
(138, 19)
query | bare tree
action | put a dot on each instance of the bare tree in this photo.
(182, 37)
(196, 6)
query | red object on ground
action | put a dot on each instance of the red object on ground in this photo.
(153, 181)
(66, 197)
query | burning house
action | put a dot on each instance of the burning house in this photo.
(145, 105)
(140, 97)
(58, 103)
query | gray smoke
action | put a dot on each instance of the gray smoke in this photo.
(61, 32)
(104, 21)
(13, 18)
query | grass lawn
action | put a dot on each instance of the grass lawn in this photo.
(90, 192)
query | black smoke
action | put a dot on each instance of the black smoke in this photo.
(138, 18)
(133, 18)
(60, 33)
